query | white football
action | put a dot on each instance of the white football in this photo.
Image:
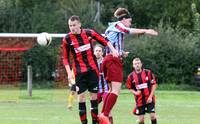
(44, 39)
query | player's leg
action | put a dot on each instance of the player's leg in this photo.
(113, 72)
(70, 99)
(94, 107)
(105, 70)
(93, 89)
(151, 111)
(139, 112)
(104, 96)
(115, 76)
(111, 119)
(82, 107)
(99, 97)
(112, 98)
(153, 118)
(141, 119)
(81, 84)
(101, 115)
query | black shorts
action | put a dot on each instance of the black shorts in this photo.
(141, 110)
(87, 81)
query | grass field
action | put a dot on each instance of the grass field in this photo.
(49, 107)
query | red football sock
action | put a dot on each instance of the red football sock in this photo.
(105, 102)
(111, 100)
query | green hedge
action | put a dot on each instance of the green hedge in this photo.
(173, 55)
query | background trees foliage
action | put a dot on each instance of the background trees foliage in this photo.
(173, 55)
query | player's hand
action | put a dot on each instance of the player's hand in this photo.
(138, 92)
(115, 53)
(151, 32)
(149, 100)
(125, 54)
(70, 76)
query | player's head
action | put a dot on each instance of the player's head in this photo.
(123, 15)
(137, 64)
(74, 24)
(98, 51)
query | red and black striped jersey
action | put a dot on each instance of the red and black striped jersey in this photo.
(141, 81)
(78, 50)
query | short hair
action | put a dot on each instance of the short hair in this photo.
(98, 45)
(137, 59)
(74, 17)
(121, 12)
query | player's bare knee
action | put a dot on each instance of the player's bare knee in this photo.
(152, 116)
(82, 98)
(141, 119)
(93, 96)
(116, 87)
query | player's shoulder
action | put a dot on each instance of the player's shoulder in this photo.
(88, 31)
(112, 25)
(67, 35)
(131, 74)
(147, 70)
(66, 38)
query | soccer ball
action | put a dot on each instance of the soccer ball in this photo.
(44, 39)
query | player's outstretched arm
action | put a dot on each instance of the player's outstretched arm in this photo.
(144, 31)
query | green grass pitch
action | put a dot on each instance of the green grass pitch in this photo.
(49, 107)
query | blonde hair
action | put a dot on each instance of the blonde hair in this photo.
(136, 59)
(121, 12)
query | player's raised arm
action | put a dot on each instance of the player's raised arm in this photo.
(144, 31)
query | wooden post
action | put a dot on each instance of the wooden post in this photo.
(29, 77)
(98, 14)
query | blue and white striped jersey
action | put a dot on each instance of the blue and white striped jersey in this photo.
(115, 34)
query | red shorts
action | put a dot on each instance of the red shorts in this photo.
(113, 69)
